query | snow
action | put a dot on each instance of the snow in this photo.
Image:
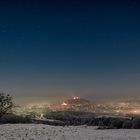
(46, 132)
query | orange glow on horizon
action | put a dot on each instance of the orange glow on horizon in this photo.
(76, 98)
(64, 104)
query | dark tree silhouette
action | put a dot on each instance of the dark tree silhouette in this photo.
(6, 104)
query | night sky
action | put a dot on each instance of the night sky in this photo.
(55, 49)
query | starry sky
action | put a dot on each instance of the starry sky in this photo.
(50, 50)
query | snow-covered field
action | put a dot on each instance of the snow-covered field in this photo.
(45, 132)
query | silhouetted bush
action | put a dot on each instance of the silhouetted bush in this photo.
(101, 125)
(11, 118)
(71, 117)
(127, 124)
(6, 104)
(86, 121)
(107, 121)
(94, 122)
(116, 123)
(136, 124)
(91, 122)
(84, 118)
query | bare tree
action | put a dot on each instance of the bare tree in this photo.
(6, 104)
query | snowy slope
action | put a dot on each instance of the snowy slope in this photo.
(45, 132)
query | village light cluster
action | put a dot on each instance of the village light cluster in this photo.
(79, 104)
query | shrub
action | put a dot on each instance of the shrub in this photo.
(116, 123)
(136, 124)
(127, 124)
(11, 118)
(94, 122)
(71, 117)
(100, 125)
(6, 104)
(107, 121)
